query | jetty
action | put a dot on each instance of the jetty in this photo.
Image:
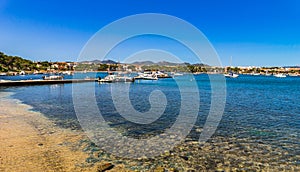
(43, 82)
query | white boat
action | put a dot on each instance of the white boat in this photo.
(150, 78)
(268, 74)
(147, 76)
(108, 78)
(53, 77)
(231, 75)
(124, 79)
(67, 73)
(160, 74)
(116, 78)
(293, 74)
(3, 74)
(280, 75)
(22, 73)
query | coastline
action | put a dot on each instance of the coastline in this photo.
(31, 142)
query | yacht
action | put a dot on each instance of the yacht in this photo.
(147, 76)
(161, 74)
(53, 77)
(231, 75)
(280, 75)
(116, 78)
(293, 74)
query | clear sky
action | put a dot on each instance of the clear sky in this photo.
(256, 32)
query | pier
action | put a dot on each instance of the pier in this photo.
(43, 82)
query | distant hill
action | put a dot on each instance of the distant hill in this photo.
(100, 62)
(161, 63)
(109, 62)
(165, 63)
(291, 67)
(143, 63)
(201, 65)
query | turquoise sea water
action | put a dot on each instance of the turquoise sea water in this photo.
(259, 109)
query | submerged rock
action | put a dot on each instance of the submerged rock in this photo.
(105, 166)
(184, 157)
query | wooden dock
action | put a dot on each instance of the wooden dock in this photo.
(43, 82)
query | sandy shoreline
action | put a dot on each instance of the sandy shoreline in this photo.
(31, 142)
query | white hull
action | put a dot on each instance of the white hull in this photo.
(280, 75)
(146, 78)
(53, 77)
(115, 78)
(231, 75)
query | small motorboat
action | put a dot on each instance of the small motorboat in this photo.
(161, 74)
(293, 74)
(116, 78)
(231, 75)
(53, 77)
(280, 75)
(148, 75)
(22, 73)
(144, 77)
(67, 73)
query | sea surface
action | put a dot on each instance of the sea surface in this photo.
(259, 109)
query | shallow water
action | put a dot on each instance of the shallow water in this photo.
(261, 118)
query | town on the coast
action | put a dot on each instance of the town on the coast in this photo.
(14, 65)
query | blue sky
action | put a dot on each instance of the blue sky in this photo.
(261, 33)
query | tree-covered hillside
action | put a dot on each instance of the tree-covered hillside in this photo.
(15, 63)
